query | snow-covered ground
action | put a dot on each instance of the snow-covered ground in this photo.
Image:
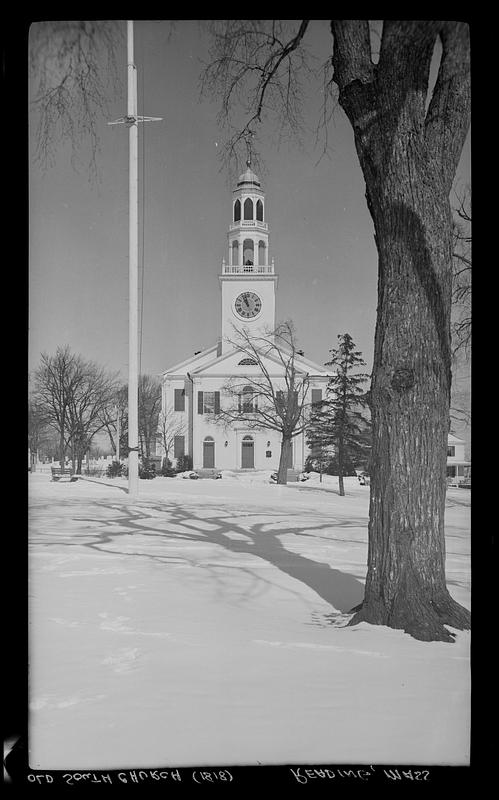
(204, 624)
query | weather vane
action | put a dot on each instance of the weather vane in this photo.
(248, 138)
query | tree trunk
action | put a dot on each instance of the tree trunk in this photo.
(409, 160)
(282, 474)
(410, 394)
(341, 469)
(405, 586)
(62, 449)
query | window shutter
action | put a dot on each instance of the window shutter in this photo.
(200, 402)
(179, 446)
(217, 402)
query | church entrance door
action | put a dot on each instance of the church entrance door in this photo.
(208, 454)
(247, 453)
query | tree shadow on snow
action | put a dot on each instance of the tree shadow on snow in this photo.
(340, 589)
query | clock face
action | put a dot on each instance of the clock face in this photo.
(248, 305)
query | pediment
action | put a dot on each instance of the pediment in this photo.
(235, 362)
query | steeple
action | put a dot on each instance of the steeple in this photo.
(248, 280)
(248, 235)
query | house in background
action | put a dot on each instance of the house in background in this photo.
(458, 469)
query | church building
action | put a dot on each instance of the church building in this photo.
(193, 391)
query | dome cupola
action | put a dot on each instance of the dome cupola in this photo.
(248, 179)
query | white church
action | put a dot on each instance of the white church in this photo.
(193, 391)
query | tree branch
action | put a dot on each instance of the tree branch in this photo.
(449, 113)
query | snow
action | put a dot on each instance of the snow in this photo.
(205, 624)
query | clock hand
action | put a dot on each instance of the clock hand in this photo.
(246, 301)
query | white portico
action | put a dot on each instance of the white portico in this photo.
(193, 391)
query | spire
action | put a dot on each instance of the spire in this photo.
(249, 139)
(248, 178)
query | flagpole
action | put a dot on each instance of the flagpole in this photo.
(132, 120)
(133, 275)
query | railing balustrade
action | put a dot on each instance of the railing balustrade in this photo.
(249, 223)
(247, 269)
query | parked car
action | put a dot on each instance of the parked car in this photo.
(364, 478)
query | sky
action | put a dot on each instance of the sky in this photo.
(321, 233)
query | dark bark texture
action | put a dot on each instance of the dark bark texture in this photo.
(408, 151)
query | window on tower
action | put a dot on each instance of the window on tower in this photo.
(248, 252)
(259, 210)
(237, 211)
(248, 208)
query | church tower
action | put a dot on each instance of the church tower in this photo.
(248, 280)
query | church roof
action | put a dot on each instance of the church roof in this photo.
(203, 356)
(210, 360)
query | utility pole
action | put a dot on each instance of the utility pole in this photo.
(132, 120)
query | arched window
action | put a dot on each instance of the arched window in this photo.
(248, 253)
(261, 252)
(259, 210)
(248, 401)
(237, 211)
(235, 252)
(248, 208)
(209, 439)
(246, 362)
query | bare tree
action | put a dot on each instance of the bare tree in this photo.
(53, 383)
(37, 428)
(115, 416)
(169, 426)
(92, 393)
(461, 276)
(73, 70)
(71, 393)
(149, 410)
(409, 145)
(149, 404)
(263, 400)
